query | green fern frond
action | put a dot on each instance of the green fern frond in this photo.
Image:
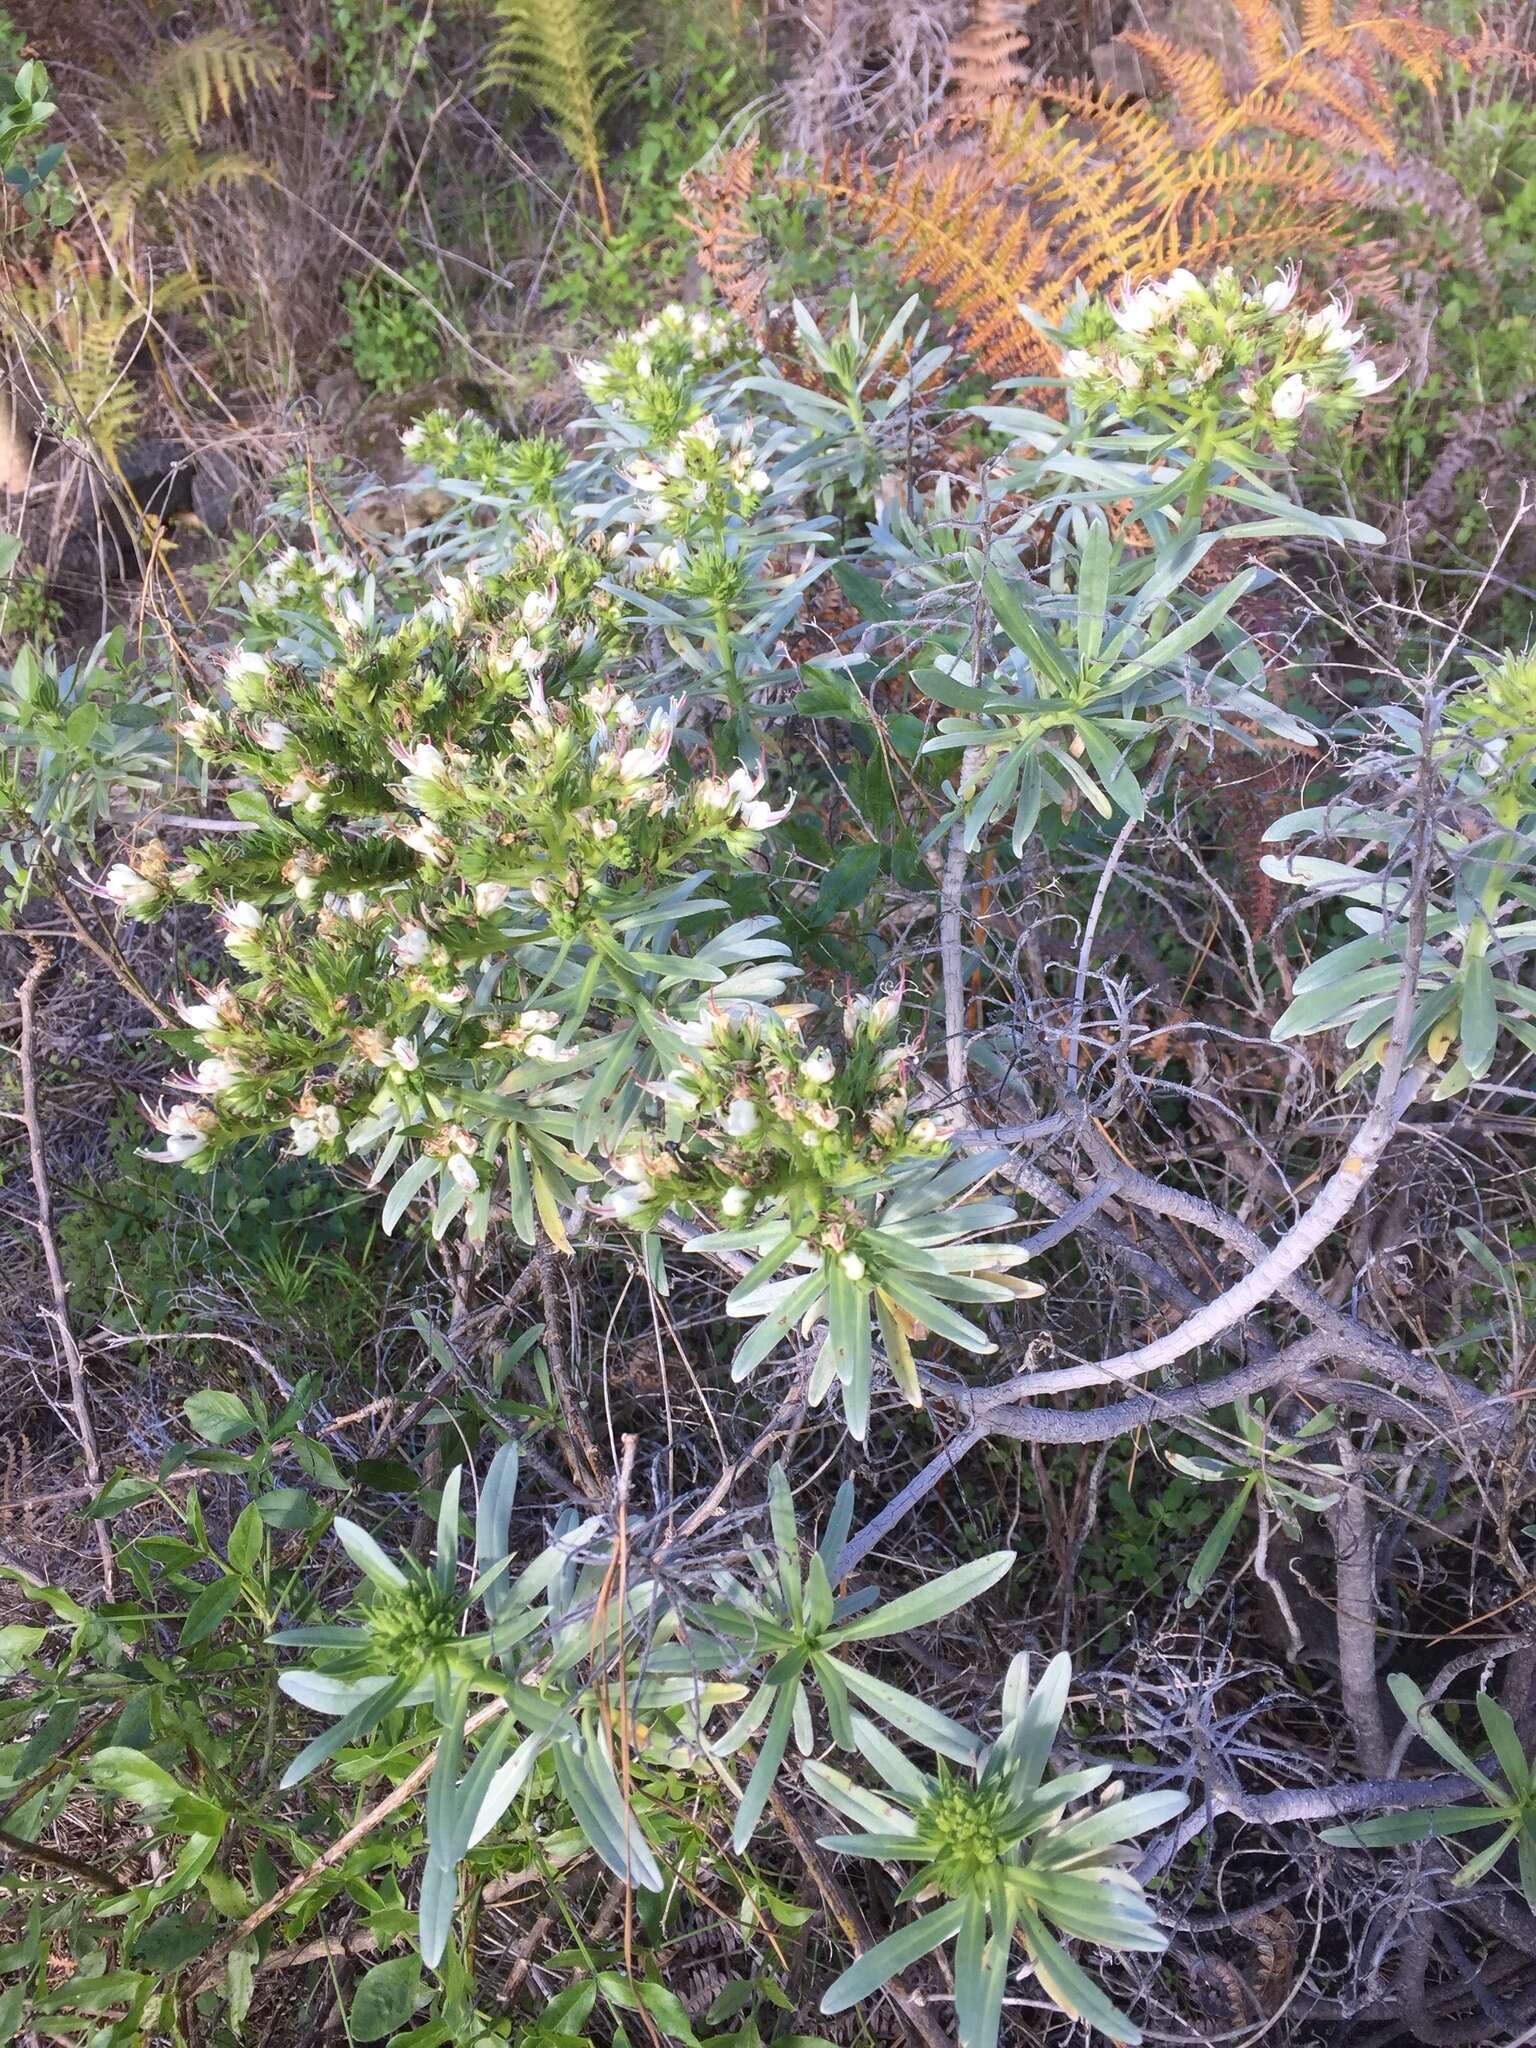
(79, 324)
(217, 71)
(567, 55)
(157, 126)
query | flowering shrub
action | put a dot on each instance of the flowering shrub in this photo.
(1210, 356)
(818, 1167)
(505, 920)
(1470, 984)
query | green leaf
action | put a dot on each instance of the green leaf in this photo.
(385, 1999)
(849, 879)
(897, 1952)
(1215, 1546)
(18, 1641)
(928, 1603)
(668, 2011)
(209, 1609)
(1416, 1709)
(1500, 1730)
(246, 1539)
(1479, 1015)
(770, 1756)
(1075, 1992)
(217, 1417)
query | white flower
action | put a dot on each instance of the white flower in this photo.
(185, 1130)
(404, 1054)
(490, 896)
(705, 431)
(668, 561)
(1077, 363)
(1329, 325)
(740, 1118)
(527, 656)
(876, 1014)
(424, 760)
(1290, 399)
(713, 795)
(538, 609)
(539, 1020)
(620, 543)
(542, 1047)
(305, 1133)
(272, 735)
(208, 1016)
(852, 1265)
(213, 1076)
(130, 890)
(1128, 372)
(411, 945)
(633, 1168)
(1365, 379)
(1182, 285)
(245, 667)
(735, 1202)
(242, 917)
(461, 1172)
(758, 481)
(819, 1068)
(1280, 291)
(638, 763)
(625, 1202)
(427, 841)
(1138, 311)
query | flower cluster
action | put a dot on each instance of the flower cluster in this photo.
(467, 849)
(765, 1119)
(299, 583)
(1494, 721)
(470, 450)
(1250, 362)
(703, 480)
(650, 377)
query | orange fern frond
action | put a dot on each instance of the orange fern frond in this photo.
(1061, 185)
(979, 257)
(986, 58)
(1262, 28)
(730, 251)
(1192, 76)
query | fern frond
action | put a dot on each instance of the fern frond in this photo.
(987, 58)
(217, 71)
(1192, 76)
(1262, 28)
(980, 257)
(1065, 185)
(730, 250)
(174, 173)
(78, 323)
(567, 55)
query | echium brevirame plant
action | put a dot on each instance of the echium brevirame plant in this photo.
(451, 921)
(539, 1671)
(716, 489)
(1263, 1468)
(1509, 1809)
(75, 738)
(1472, 986)
(994, 1839)
(792, 1615)
(857, 1212)
(1061, 675)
